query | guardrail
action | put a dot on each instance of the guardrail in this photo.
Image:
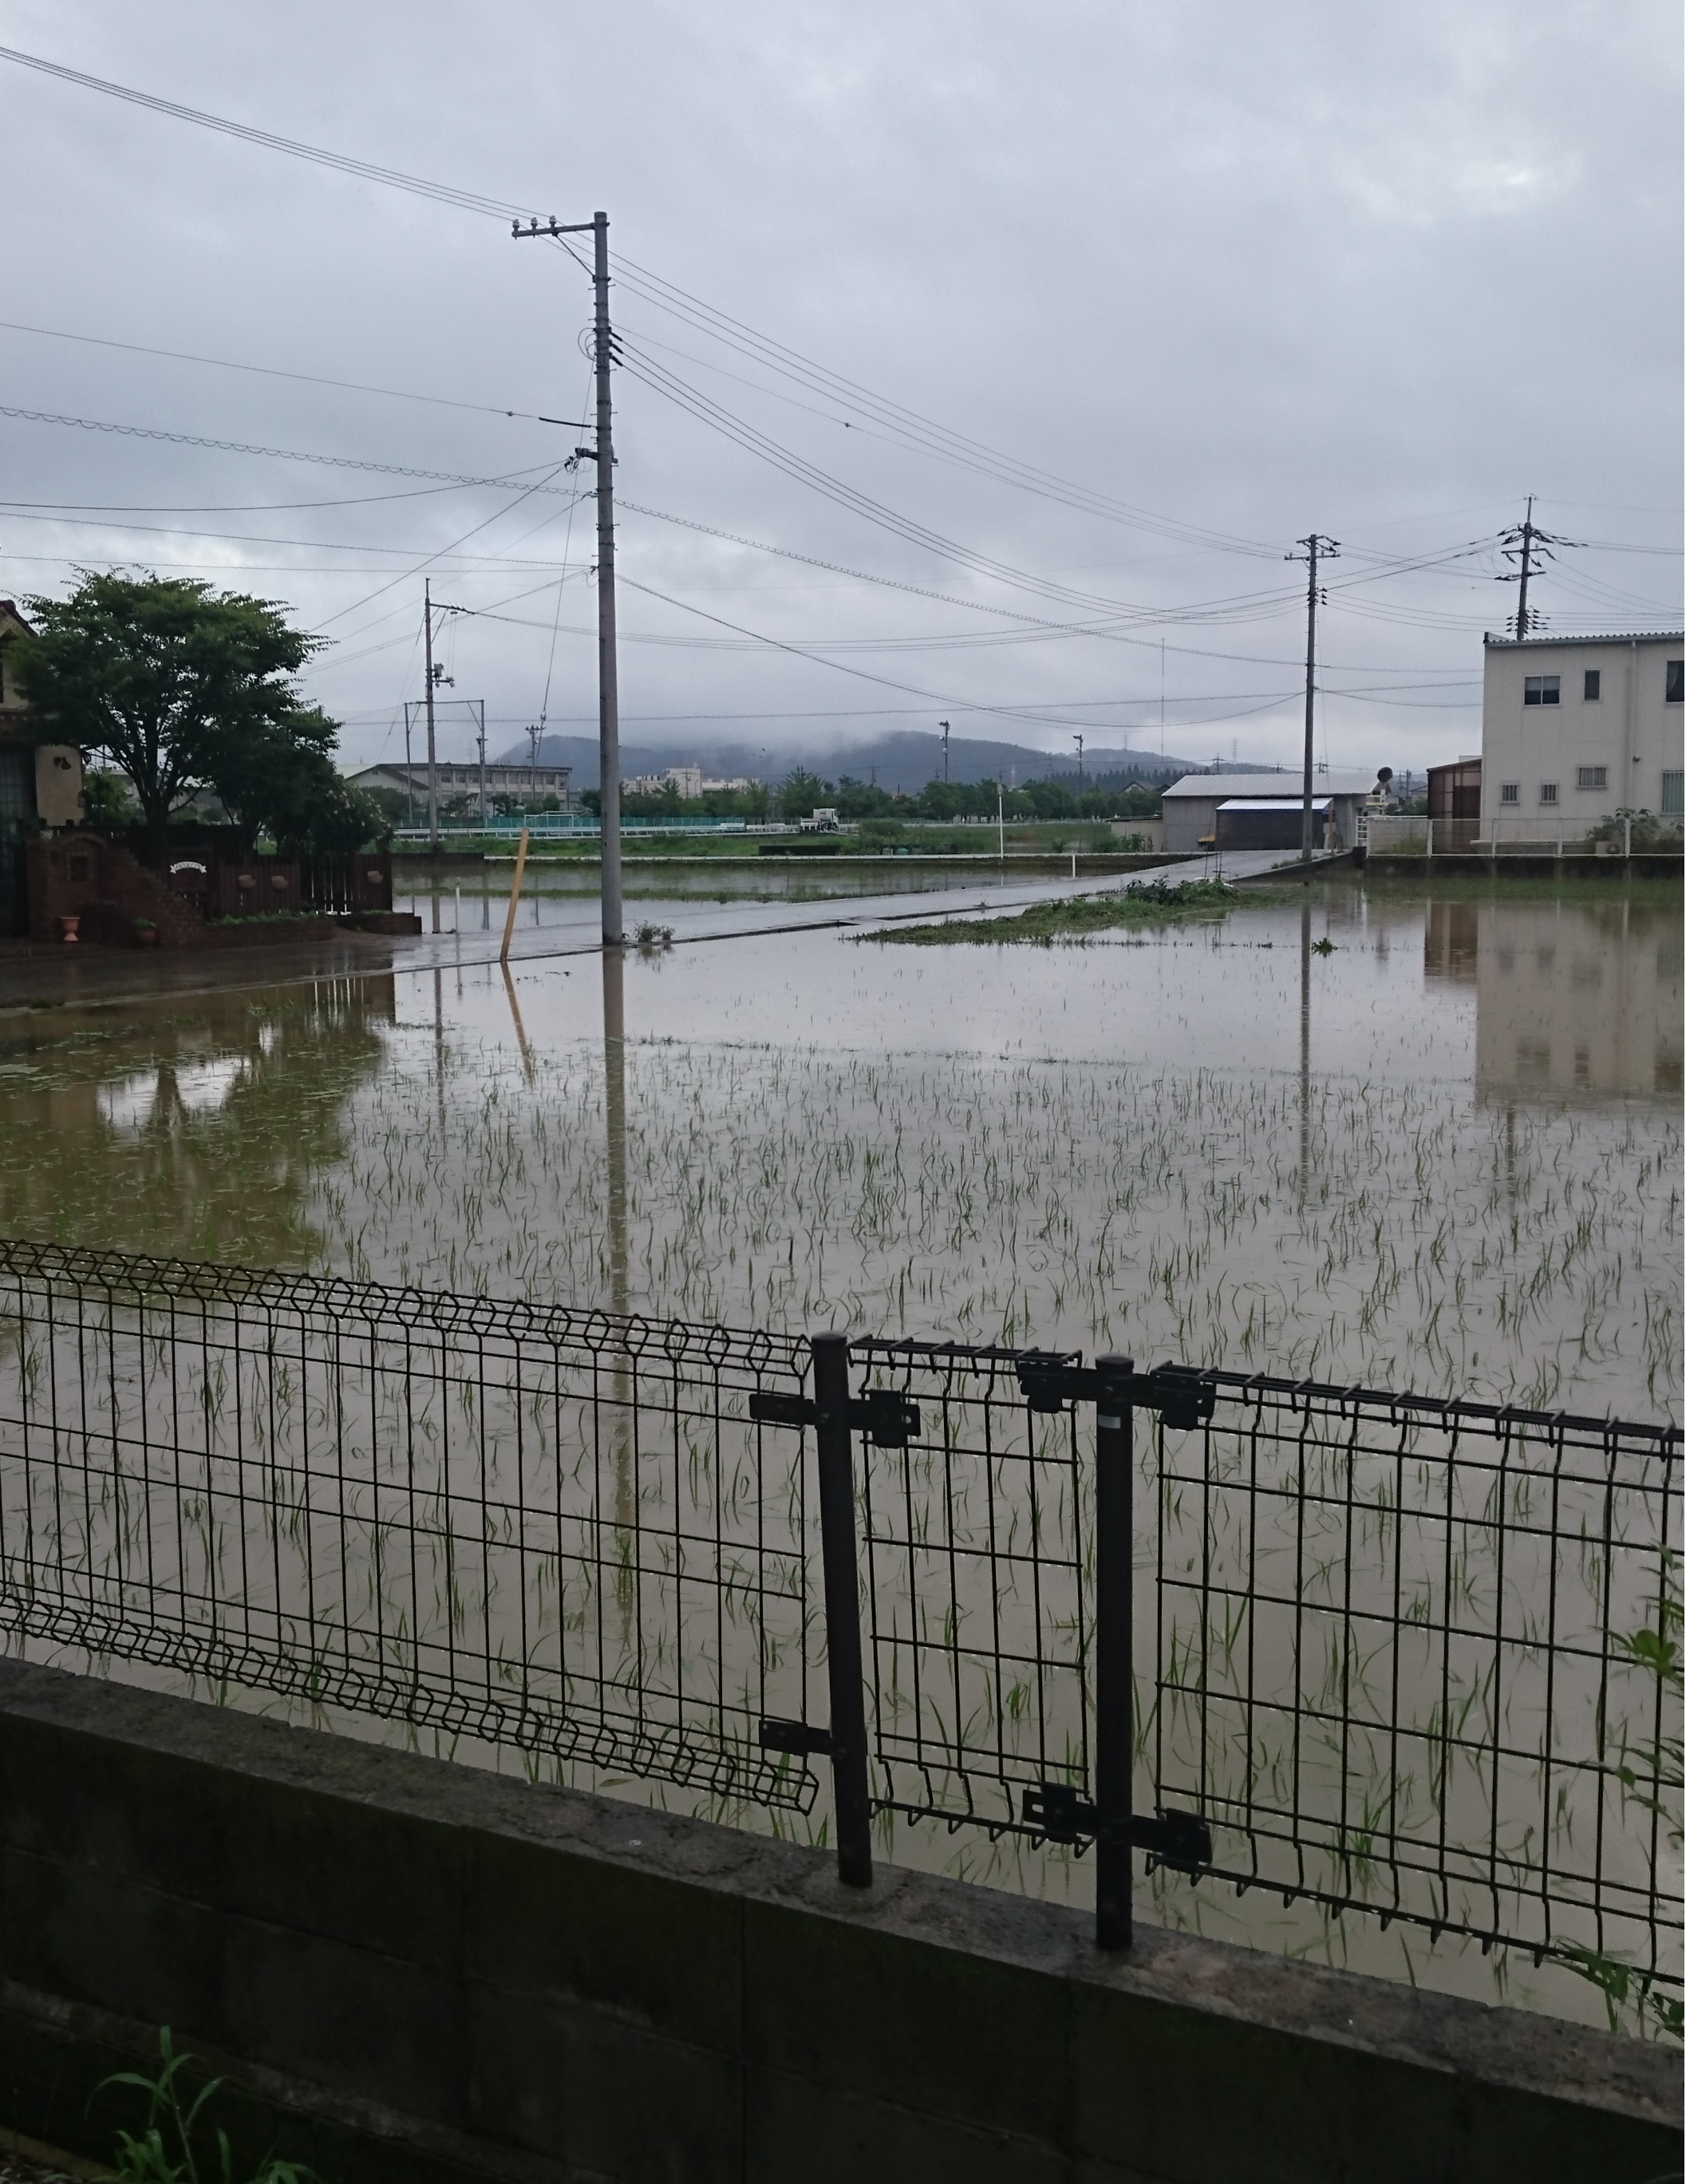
(1414, 1657)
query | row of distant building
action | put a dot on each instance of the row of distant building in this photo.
(505, 779)
(1575, 731)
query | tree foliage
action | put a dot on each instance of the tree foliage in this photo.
(183, 689)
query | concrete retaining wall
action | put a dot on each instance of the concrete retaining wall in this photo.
(1523, 865)
(413, 1970)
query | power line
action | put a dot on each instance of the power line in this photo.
(665, 296)
(273, 372)
(274, 455)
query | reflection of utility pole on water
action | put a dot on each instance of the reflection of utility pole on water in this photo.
(439, 1038)
(1304, 1046)
(615, 1124)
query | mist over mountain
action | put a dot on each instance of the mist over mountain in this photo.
(905, 760)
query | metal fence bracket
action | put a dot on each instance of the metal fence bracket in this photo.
(889, 1418)
(795, 1738)
(1182, 1394)
(1057, 1811)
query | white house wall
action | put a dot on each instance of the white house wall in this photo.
(1629, 730)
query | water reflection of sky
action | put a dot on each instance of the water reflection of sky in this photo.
(1396, 995)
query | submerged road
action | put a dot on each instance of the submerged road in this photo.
(38, 977)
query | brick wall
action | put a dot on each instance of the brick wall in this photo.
(82, 875)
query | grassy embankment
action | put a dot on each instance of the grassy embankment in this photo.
(1158, 903)
(872, 838)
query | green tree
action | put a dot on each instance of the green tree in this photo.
(800, 793)
(279, 778)
(184, 688)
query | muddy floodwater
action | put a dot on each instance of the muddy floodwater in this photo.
(1422, 1140)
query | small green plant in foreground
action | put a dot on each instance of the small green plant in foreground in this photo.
(1145, 902)
(164, 2151)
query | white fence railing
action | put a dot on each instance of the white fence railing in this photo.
(1405, 834)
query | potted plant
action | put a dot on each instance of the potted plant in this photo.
(146, 932)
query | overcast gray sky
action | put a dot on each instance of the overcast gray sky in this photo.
(1230, 273)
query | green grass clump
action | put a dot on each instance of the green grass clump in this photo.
(170, 2146)
(1075, 918)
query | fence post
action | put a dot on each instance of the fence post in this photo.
(1115, 1667)
(835, 1449)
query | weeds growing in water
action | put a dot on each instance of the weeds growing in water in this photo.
(1143, 902)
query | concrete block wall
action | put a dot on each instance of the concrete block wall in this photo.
(413, 1970)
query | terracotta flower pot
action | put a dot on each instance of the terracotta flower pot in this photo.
(67, 927)
(146, 935)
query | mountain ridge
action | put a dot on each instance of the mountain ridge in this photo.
(906, 760)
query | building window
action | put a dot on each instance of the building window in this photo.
(1542, 689)
(1510, 792)
(1592, 685)
(1673, 781)
(1592, 777)
(1548, 792)
(1674, 683)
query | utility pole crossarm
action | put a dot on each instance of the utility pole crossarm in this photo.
(1531, 549)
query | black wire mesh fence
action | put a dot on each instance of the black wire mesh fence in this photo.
(553, 1529)
(1424, 1658)
(977, 1583)
(1418, 1658)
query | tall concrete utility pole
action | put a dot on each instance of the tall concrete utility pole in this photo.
(1079, 743)
(1328, 549)
(602, 455)
(1530, 548)
(1527, 535)
(944, 725)
(432, 750)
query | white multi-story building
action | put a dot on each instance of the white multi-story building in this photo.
(1575, 729)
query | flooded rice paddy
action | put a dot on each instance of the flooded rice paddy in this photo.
(1426, 1141)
